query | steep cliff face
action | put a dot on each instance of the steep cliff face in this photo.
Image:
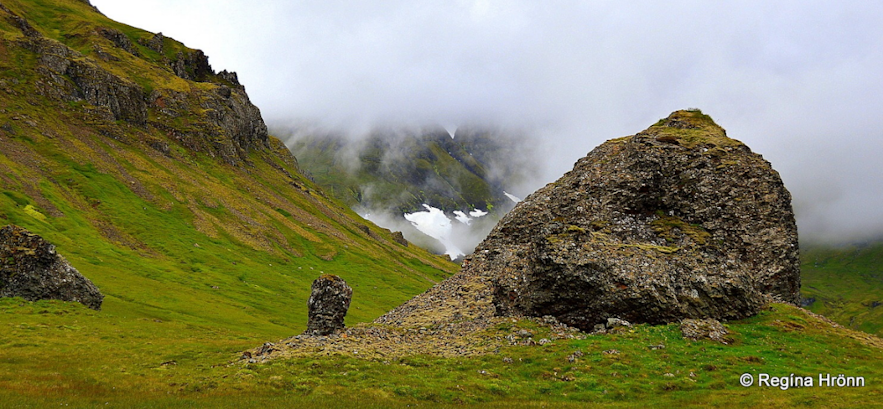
(678, 221)
(106, 81)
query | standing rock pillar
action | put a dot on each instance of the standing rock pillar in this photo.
(328, 304)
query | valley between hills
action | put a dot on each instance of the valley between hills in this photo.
(155, 176)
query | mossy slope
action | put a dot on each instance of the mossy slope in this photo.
(175, 214)
(845, 284)
(201, 257)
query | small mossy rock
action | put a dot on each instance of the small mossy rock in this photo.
(30, 268)
(678, 221)
(705, 329)
(328, 304)
(398, 237)
(617, 323)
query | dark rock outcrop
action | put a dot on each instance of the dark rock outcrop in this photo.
(192, 65)
(155, 43)
(30, 268)
(118, 39)
(678, 221)
(228, 127)
(398, 237)
(328, 304)
(231, 77)
(71, 77)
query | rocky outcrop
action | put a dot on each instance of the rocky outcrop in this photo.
(227, 125)
(230, 77)
(675, 222)
(192, 65)
(328, 304)
(71, 77)
(155, 43)
(231, 125)
(31, 268)
(398, 237)
(118, 39)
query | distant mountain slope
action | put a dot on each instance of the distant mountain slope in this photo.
(399, 170)
(845, 284)
(155, 176)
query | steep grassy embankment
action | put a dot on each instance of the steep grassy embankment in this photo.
(155, 178)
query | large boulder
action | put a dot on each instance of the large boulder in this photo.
(30, 268)
(328, 304)
(678, 221)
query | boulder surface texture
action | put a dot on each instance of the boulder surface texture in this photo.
(678, 221)
(30, 268)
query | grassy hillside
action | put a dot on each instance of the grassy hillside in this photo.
(205, 242)
(175, 219)
(845, 284)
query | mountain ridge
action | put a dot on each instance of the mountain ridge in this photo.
(205, 246)
(124, 148)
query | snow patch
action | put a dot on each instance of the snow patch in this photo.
(462, 217)
(434, 223)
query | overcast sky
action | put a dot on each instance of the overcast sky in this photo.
(800, 82)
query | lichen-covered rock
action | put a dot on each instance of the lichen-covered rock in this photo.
(329, 301)
(192, 65)
(705, 329)
(30, 268)
(678, 221)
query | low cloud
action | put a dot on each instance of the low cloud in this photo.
(798, 81)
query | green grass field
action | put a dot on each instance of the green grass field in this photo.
(200, 260)
(62, 354)
(846, 284)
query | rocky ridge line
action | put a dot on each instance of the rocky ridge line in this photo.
(228, 127)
